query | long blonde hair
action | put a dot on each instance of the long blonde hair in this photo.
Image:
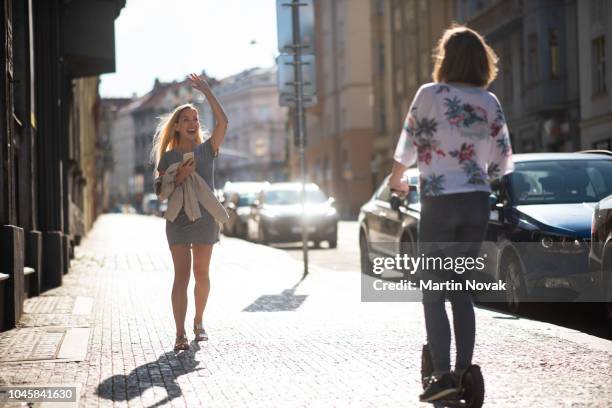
(166, 138)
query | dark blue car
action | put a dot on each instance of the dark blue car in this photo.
(540, 225)
(539, 230)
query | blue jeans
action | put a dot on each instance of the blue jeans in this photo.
(459, 221)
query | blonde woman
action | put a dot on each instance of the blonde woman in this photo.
(456, 133)
(178, 134)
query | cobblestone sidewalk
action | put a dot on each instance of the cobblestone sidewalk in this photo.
(274, 341)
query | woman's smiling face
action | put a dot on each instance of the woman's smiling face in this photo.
(188, 124)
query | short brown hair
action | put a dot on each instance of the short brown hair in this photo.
(462, 55)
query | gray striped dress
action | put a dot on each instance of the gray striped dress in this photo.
(204, 230)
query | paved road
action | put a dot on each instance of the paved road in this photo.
(344, 258)
(579, 317)
(274, 340)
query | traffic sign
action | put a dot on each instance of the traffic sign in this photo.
(286, 79)
(284, 24)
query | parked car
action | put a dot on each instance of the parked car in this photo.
(385, 231)
(150, 204)
(123, 208)
(276, 215)
(539, 228)
(162, 208)
(600, 256)
(237, 199)
(548, 201)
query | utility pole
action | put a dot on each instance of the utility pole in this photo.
(292, 84)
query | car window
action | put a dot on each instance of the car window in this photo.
(413, 197)
(563, 181)
(286, 197)
(384, 193)
(597, 184)
(246, 200)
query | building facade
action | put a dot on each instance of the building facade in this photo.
(404, 35)
(594, 47)
(115, 127)
(340, 128)
(53, 53)
(538, 81)
(255, 146)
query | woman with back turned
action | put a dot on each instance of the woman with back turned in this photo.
(456, 132)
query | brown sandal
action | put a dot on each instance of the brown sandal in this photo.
(181, 342)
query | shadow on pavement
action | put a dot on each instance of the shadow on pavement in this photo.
(286, 301)
(585, 317)
(161, 373)
(581, 316)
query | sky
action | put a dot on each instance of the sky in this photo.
(167, 39)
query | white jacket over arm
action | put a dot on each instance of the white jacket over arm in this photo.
(188, 195)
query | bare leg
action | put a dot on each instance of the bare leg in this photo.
(181, 256)
(201, 262)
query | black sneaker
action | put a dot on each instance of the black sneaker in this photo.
(442, 388)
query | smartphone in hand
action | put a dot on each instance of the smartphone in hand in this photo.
(187, 157)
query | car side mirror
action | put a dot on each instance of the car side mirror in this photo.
(493, 201)
(332, 201)
(395, 201)
(495, 184)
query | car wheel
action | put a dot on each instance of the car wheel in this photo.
(607, 276)
(608, 305)
(239, 229)
(516, 292)
(333, 243)
(364, 250)
(261, 235)
(232, 229)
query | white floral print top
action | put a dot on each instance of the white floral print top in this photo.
(458, 137)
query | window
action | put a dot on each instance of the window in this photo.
(317, 171)
(605, 144)
(397, 22)
(260, 147)
(264, 113)
(561, 182)
(380, 7)
(399, 82)
(409, 13)
(598, 13)
(555, 57)
(381, 58)
(533, 66)
(381, 118)
(507, 72)
(341, 35)
(598, 49)
(326, 169)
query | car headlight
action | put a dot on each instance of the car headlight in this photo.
(331, 212)
(268, 214)
(243, 211)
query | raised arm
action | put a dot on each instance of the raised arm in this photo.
(221, 121)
